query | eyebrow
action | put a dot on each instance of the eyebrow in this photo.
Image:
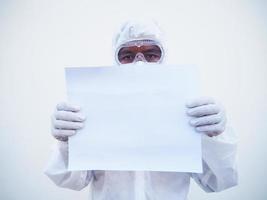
(126, 51)
(150, 50)
(153, 51)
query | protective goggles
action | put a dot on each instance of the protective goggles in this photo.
(141, 50)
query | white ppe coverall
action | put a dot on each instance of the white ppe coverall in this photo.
(219, 173)
(218, 156)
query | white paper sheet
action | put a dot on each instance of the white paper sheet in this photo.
(136, 118)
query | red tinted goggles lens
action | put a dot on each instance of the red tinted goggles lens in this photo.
(151, 53)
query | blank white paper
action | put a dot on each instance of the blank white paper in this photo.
(136, 118)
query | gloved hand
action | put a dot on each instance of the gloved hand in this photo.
(208, 116)
(66, 120)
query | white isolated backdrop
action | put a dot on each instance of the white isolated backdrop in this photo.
(227, 39)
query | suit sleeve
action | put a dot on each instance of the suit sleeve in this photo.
(219, 162)
(57, 170)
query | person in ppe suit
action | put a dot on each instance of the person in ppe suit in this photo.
(137, 43)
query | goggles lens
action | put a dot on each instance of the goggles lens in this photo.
(130, 54)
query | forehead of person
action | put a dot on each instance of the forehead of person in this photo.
(141, 49)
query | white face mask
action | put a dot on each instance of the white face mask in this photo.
(140, 62)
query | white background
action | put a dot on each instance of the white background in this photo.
(227, 39)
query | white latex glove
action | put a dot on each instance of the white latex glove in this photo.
(207, 116)
(66, 120)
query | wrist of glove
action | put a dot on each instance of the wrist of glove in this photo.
(207, 116)
(66, 120)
